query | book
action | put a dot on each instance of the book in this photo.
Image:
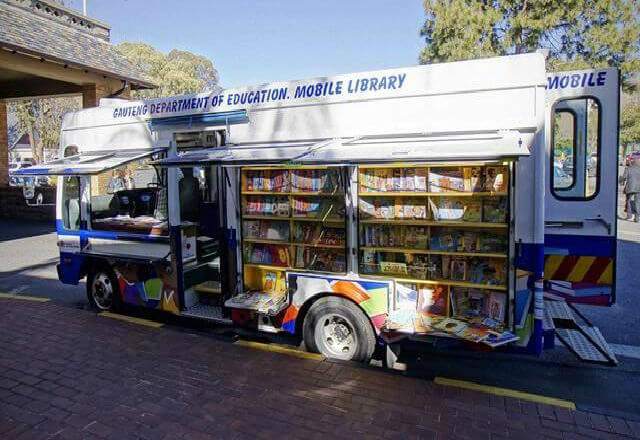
(269, 279)
(473, 179)
(496, 306)
(421, 179)
(458, 269)
(432, 300)
(494, 209)
(474, 333)
(406, 297)
(468, 242)
(417, 237)
(447, 208)
(492, 242)
(503, 338)
(472, 211)
(468, 303)
(410, 179)
(366, 207)
(393, 267)
(446, 180)
(451, 325)
(496, 179)
(445, 240)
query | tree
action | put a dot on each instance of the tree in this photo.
(41, 119)
(178, 72)
(578, 33)
(630, 125)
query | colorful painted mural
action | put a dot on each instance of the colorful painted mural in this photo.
(371, 296)
(148, 286)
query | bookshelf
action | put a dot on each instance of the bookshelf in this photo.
(440, 231)
(292, 218)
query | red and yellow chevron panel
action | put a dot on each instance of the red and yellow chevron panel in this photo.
(578, 269)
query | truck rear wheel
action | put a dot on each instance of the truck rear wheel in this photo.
(102, 289)
(338, 329)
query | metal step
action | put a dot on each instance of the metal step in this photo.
(205, 311)
(584, 340)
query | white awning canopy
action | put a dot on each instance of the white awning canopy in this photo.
(423, 148)
(367, 149)
(86, 163)
(247, 154)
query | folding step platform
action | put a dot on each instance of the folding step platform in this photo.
(584, 340)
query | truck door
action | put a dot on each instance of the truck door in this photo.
(581, 185)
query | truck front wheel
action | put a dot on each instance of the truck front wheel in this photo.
(338, 329)
(102, 289)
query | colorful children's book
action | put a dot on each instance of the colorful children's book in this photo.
(451, 325)
(421, 179)
(446, 180)
(447, 208)
(494, 340)
(472, 211)
(496, 179)
(473, 179)
(496, 306)
(494, 209)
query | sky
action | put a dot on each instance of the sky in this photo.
(259, 41)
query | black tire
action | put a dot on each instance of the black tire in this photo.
(337, 328)
(102, 274)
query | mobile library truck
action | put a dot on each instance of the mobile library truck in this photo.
(439, 202)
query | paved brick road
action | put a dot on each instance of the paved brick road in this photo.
(70, 374)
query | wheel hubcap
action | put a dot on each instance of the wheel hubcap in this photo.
(337, 336)
(102, 291)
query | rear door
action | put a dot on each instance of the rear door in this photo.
(581, 185)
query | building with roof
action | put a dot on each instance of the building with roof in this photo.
(47, 49)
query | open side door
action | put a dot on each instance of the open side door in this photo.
(581, 188)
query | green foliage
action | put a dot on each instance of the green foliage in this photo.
(578, 33)
(178, 72)
(630, 125)
(42, 120)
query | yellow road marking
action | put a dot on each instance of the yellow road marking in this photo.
(23, 297)
(132, 319)
(505, 392)
(280, 349)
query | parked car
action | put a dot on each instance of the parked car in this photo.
(560, 178)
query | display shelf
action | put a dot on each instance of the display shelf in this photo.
(403, 250)
(311, 219)
(316, 191)
(264, 217)
(467, 284)
(431, 194)
(318, 194)
(442, 223)
(268, 267)
(266, 193)
(431, 165)
(328, 246)
(265, 241)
